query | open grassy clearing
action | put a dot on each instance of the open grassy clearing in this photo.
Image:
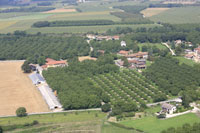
(179, 15)
(186, 61)
(17, 90)
(158, 45)
(60, 10)
(151, 124)
(149, 12)
(83, 29)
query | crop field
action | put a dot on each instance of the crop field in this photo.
(151, 124)
(179, 15)
(17, 90)
(84, 29)
(128, 86)
(149, 12)
(6, 24)
(186, 61)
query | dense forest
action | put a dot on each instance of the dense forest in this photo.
(20, 46)
(186, 128)
(72, 83)
(172, 77)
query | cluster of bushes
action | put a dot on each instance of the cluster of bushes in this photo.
(44, 4)
(27, 9)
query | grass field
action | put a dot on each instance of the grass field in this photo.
(17, 90)
(149, 12)
(158, 45)
(179, 15)
(153, 125)
(60, 122)
(6, 24)
(83, 29)
(186, 61)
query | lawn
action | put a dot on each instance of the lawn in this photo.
(158, 45)
(151, 124)
(179, 15)
(186, 61)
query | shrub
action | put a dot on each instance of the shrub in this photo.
(106, 107)
(35, 122)
(161, 116)
(129, 114)
(21, 112)
(1, 130)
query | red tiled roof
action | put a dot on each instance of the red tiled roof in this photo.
(123, 52)
(55, 62)
(49, 59)
(132, 61)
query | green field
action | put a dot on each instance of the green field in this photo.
(158, 45)
(185, 61)
(179, 15)
(83, 29)
(151, 124)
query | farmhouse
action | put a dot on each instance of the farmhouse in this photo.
(168, 108)
(139, 55)
(53, 63)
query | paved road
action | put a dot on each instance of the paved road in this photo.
(173, 53)
(171, 100)
(67, 111)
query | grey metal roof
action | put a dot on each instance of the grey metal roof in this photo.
(35, 77)
(49, 97)
(167, 106)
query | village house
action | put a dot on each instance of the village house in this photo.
(168, 108)
(139, 55)
(124, 53)
(197, 54)
(53, 63)
(123, 44)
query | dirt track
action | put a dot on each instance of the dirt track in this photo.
(17, 90)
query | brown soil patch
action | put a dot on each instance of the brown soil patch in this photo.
(17, 90)
(86, 58)
(153, 11)
(61, 10)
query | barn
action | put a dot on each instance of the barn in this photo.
(49, 97)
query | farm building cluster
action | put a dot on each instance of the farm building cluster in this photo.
(46, 92)
(135, 60)
(100, 37)
(193, 55)
(37, 79)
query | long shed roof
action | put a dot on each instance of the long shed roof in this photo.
(49, 97)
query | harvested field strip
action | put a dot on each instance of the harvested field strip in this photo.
(61, 10)
(153, 11)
